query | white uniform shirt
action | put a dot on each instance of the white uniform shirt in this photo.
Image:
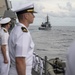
(70, 64)
(21, 45)
(4, 39)
(4, 68)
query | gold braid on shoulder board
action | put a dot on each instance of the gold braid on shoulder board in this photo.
(5, 30)
(24, 29)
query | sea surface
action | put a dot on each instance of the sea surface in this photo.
(53, 43)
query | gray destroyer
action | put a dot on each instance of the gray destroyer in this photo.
(46, 25)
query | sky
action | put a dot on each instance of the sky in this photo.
(60, 12)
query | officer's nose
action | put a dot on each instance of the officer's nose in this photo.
(33, 15)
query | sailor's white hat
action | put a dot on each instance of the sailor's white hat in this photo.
(5, 20)
(28, 7)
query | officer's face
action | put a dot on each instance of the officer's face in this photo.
(9, 25)
(30, 17)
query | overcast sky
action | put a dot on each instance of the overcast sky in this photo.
(60, 12)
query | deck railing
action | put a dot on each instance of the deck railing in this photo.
(44, 67)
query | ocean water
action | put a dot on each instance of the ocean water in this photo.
(53, 43)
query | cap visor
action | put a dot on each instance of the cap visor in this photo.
(34, 12)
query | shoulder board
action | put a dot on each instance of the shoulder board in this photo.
(5, 30)
(24, 29)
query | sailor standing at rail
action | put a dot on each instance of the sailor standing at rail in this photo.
(4, 53)
(36, 64)
(33, 64)
(41, 66)
(21, 45)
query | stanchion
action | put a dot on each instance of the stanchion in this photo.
(45, 65)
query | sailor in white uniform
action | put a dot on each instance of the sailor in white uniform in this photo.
(4, 54)
(37, 64)
(70, 68)
(41, 66)
(21, 45)
(33, 64)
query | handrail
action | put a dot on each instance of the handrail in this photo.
(46, 61)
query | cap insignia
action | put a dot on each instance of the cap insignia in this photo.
(5, 30)
(24, 29)
(30, 10)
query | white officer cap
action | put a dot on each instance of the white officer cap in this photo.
(5, 20)
(25, 8)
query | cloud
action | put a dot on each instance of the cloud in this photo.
(67, 7)
(67, 11)
(39, 8)
(60, 12)
(72, 13)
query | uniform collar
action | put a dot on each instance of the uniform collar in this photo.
(20, 24)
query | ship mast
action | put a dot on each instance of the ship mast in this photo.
(7, 4)
(47, 19)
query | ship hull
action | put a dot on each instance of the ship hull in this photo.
(44, 28)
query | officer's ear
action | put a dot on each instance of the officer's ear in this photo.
(25, 15)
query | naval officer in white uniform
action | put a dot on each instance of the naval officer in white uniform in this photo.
(70, 63)
(4, 53)
(21, 45)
